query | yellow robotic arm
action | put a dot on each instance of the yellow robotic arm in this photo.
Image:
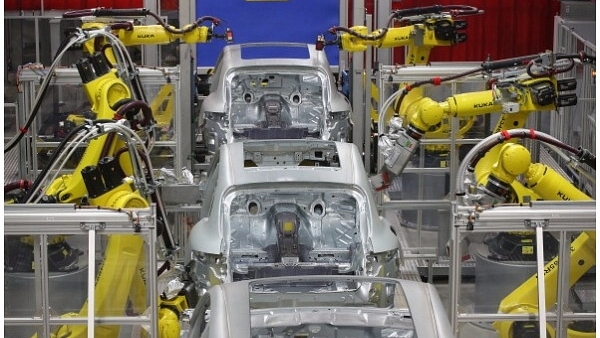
(419, 38)
(547, 184)
(515, 98)
(421, 29)
(112, 95)
(513, 164)
(115, 169)
(423, 114)
(128, 32)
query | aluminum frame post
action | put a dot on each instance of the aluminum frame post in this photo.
(356, 78)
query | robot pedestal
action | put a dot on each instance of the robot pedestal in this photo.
(67, 293)
(494, 280)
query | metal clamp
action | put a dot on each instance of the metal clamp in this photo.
(92, 226)
(537, 223)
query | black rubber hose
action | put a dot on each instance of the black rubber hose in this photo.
(23, 130)
(519, 133)
(61, 146)
(358, 35)
(162, 230)
(17, 185)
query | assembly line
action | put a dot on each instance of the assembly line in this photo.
(279, 223)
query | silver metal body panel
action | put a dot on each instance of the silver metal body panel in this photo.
(261, 98)
(355, 306)
(318, 188)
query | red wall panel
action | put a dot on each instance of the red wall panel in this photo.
(169, 5)
(507, 29)
(36, 5)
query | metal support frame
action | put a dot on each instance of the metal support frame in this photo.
(366, 108)
(186, 90)
(43, 220)
(383, 8)
(576, 125)
(561, 217)
(24, 105)
(150, 53)
(69, 76)
(387, 76)
(343, 19)
(356, 77)
(539, 226)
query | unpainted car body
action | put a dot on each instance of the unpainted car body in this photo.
(256, 96)
(321, 306)
(289, 207)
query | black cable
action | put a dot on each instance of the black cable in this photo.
(164, 267)
(358, 35)
(161, 214)
(23, 130)
(453, 10)
(58, 150)
(531, 134)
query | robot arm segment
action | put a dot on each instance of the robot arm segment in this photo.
(550, 185)
(399, 143)
(516, 98)
(422, 35)
(161, 33)
(495, 141)
(421, 29)
(547, 184)
(157, 34)
(513, 160)
(524, 299)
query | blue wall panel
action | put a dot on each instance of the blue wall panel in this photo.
(269, 21)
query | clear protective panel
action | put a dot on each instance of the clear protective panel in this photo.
(420, 197)
(62, 110)
(24, 331)
(576, 125)
(506, 282)
(46, 275)
(65, 106)
(67, 274)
